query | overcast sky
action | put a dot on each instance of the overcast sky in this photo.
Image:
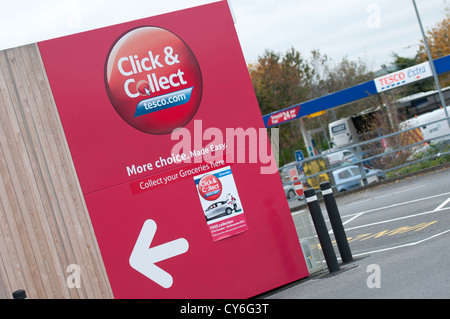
(370, 30)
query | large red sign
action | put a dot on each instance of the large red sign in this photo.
(173, 158)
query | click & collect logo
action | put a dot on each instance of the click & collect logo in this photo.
(210, 187)
(153, 80)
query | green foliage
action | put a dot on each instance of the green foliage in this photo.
(433, 156)
(280, 80)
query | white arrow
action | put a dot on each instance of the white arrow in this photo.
(143, 258)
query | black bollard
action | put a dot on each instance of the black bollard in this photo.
(19, 294)
(321, 230)
(336, 222)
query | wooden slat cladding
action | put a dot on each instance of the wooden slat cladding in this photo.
(44, 223)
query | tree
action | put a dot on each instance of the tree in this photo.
(283, 80)
(438, 42)
(330, 76)
(280, 81)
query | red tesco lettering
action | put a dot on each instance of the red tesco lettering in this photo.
(389, 79)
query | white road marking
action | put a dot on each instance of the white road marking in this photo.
(398, 218)
(299, 212)
(402, 246)
(354, 216)
(443, 204)
(440, 208)
(386, 195)
(398, 192)
(390, 206)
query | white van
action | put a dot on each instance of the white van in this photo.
(430, 131)
(343, 133)
(346, 131)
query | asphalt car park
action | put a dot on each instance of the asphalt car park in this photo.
(402, 230)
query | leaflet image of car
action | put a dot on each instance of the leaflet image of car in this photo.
(221, 208)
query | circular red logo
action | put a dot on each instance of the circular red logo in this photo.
(210, 187)
(153, 80)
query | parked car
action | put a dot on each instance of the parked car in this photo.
(349, 177)
(290, 192)
(284, 171)
(340, 164)
(220, 208)
(345, 155)
(286, 180)
(342, 158)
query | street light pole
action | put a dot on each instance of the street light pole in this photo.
(433, 69)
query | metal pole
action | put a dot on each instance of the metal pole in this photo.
(361, 169)
(430, 59)
(321, 230)
(306, 139)
(336, 222)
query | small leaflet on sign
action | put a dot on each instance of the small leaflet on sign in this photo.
(220, 202)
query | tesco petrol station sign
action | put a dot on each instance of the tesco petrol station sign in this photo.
(403, 77)
(173, 157)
